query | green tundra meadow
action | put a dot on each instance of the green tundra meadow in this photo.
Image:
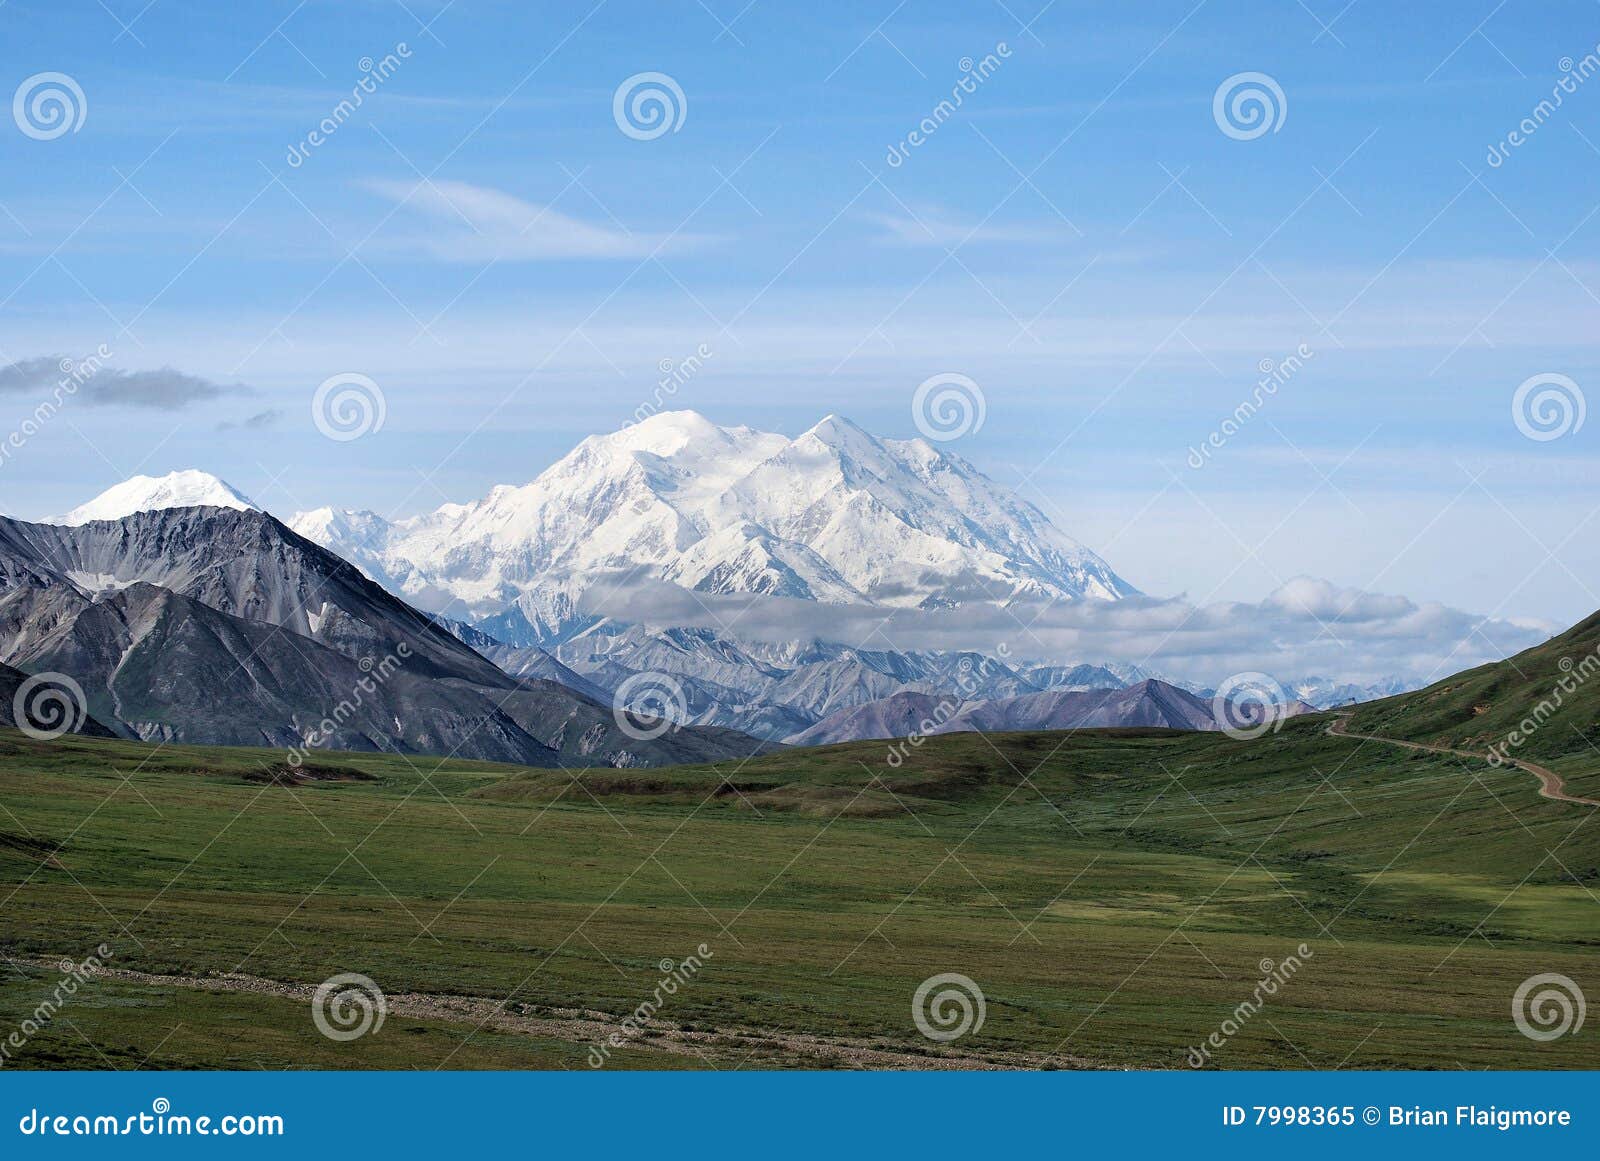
(1116, 895)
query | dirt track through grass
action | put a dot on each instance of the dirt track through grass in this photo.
(597, 1028)
(1551, 784)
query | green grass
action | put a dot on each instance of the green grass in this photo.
(1555, 685)
(1112, 892)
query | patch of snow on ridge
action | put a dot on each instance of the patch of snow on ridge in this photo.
(96, 583)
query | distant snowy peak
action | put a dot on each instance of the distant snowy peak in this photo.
(357, 530)
(834, 515)
(1326, 693)
(185, 489)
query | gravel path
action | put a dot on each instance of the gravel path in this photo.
(733, 1046)
(1551, 784)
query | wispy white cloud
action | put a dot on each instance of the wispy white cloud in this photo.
(931, 226)
(482, 224)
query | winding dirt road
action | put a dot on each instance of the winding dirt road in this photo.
(1551, 784)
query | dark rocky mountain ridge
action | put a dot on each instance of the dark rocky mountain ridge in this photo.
(223, 626)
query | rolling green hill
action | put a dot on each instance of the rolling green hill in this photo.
(1115, 894)
(1549, 696)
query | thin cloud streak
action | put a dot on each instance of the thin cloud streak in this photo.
(489, 225)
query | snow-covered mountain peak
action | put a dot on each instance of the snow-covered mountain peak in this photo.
(837, 436)
(834, 515)
(181, 489)
(838, 431)
(325, 525)
(669, 432)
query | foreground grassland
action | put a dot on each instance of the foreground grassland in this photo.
(1114, 893)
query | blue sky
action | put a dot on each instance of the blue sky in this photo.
(1080, 238)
